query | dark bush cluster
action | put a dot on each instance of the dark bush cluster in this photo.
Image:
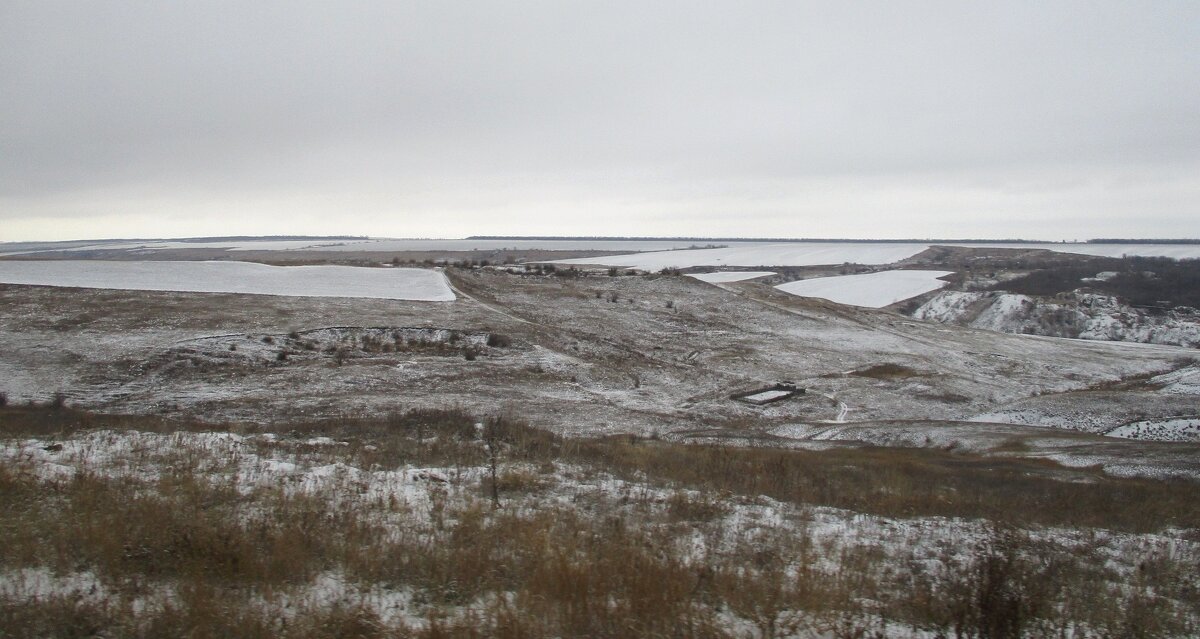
(1140, 281)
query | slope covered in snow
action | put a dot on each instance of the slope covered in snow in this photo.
(1079, 315)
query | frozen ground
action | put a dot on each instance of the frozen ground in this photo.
(587, 355)
(233, 277)
(872, 290)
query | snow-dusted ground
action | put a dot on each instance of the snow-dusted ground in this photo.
(1183, 429)
(730, 276)
(233, 277)
(1079, 315)
(405, 500)
(872, 290)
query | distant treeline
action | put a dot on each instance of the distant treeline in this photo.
(627, 238)
(267, 238)
(1109, 240)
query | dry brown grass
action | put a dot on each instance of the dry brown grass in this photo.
(907, 482)
(601, 566)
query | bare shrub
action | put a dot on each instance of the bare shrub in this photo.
(499, 340)
(886, 371)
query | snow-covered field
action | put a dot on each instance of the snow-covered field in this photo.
(763, 254)
(234, 277)
(29, 248)
(371, 244)
(822, 253)
(730, 276)
(667, 253)
(872, 290)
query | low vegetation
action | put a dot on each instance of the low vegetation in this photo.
(1138, 281)
(498, 529)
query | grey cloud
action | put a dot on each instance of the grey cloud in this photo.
(685, 105)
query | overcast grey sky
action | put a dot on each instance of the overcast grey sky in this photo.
(1043, 120)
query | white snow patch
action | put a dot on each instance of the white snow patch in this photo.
(234, 277)
(873, 290)
(767, 396)
(730, 276)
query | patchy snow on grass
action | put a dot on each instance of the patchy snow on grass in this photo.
(730, 276)
(234, 277)
(1185, 381)
(1181, 429)
(872, 290)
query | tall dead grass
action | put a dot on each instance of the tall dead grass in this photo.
(189, 554)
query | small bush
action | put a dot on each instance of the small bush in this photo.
(267, 339)
(886, 371)
(58, 400)
(469, 354)
(499, 340)
(281, 356)
(3, 400)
